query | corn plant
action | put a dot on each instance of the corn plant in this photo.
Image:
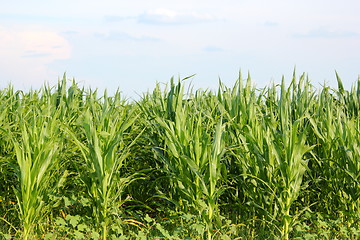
(8, 101)
(348, 166)
(192, 151)
(270, 148)
(36, 150)
(105, 126)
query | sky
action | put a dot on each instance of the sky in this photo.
(132, 45)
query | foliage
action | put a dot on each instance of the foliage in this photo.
(236, 163)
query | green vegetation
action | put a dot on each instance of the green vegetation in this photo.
(281, 162)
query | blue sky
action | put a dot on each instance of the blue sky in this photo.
(131, 45)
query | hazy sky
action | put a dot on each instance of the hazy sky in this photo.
(133, 44)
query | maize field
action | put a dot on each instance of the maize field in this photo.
(279, 162)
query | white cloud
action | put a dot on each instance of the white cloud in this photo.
(117, 18)
(25, 55)
(325, 33)
(213, 49)
(123, 36)
(271, 24)
(18, 44)
(165, 16)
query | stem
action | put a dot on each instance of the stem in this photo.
(104, 231)
(209, 237)
(286, 217)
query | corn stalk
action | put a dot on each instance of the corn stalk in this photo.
(105, 127)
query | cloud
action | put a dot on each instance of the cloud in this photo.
(213, 49)
(168, 17)
(162, 17)
(33, 43)
(70, 32)
(122, 36)
(271, 24)
(324, 33)
(36, 55)
(117, 18)
(25, 55)
(38, 18)
(42, 44)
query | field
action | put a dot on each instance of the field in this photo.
(280, 162)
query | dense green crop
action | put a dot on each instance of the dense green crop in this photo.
(281, 162)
